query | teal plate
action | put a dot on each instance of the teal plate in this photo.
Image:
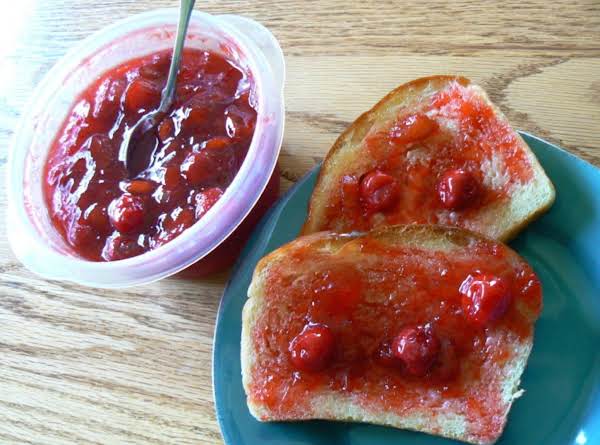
(561, 404)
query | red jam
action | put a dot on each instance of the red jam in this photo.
(485, 298)
(312, 349)
(411, 129)
(417, 347)
(446, 160)
(178, 172)
(378, 191)
(402, 337)
(457, 189)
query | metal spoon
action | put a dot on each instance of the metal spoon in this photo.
(150, 120)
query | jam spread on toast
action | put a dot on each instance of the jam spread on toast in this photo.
(179, 171)
(406, 328)
(438, 164)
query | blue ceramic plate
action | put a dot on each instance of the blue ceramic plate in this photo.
(561, 404)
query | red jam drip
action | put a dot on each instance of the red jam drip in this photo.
(454, 131)
(179, 172)
(398, 295)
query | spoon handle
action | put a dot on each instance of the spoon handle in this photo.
(168, 94)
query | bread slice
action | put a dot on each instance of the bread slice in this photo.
(366, 287)
(472, 133)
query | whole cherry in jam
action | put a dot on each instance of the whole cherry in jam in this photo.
(199, 167)
(312, 349)
(141, 95)
(412, 128)
(457, 189)
(378, 191)
(417, 347)
(485, 298)
(127, 213)
(207, 199)
(120, 247)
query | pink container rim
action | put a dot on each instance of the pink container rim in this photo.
(32, 238)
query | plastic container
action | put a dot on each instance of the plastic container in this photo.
(31, 234)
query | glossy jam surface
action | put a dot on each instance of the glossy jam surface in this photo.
(458, 189)
(417, 349)
(179, 171)
(443, 161)
(485, 298)
(401, 340)
(312, 349)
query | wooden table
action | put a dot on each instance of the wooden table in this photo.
(86, 366)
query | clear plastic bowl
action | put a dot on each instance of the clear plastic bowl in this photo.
(33, 238)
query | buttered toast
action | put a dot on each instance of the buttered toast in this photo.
(433, 151)
(425, 328)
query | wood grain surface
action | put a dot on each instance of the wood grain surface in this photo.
(86, 366)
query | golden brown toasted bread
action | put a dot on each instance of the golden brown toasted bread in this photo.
(416, 141)
(361, 292)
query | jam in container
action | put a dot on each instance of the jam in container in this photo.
(198, 185)
(177, 172)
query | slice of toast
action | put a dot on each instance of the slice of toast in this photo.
(365, 288)
(417, 134)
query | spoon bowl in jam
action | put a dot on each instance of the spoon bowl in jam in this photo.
(149, 121)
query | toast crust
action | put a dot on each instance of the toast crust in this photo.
(499, 220)
(329, 404)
